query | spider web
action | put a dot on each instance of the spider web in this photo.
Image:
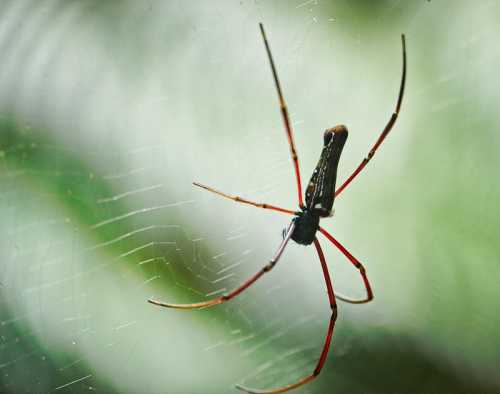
(110, 110)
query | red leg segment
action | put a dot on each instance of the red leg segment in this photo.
(284, 114)
(357, 264)
(238, 290)
(245, 201)
(386, 130)
(328, 339)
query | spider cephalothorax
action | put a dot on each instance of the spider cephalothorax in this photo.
(306, 226)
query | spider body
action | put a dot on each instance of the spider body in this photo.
(319, 197)
(320, 193)
(306, 226)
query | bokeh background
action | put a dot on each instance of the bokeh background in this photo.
(110, 109)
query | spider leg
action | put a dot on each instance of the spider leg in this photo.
(357, 264)
(242, 287)
(245, 201)
(386, 130)
(284, 114)
(328, 339)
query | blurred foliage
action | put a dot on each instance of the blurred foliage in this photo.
(97, 211)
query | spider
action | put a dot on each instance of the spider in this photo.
(319, 197)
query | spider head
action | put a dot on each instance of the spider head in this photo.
(306, 226)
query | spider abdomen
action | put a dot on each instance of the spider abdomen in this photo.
(320, 192)
(306, 225)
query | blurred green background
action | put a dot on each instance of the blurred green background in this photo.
(108, 112)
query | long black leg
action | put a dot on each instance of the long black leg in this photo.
(386, 130)
(328, 339)
(284, 114)
(238, 290)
